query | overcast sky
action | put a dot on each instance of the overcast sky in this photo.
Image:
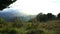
(33, 7)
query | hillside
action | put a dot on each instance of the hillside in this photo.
(19, 27)
(12, 14)
(18, 23)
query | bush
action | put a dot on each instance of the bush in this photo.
(18, 25)
(35, 32)
(8, 31)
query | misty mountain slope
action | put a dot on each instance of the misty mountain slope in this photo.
(12, 14)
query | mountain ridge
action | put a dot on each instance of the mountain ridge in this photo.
(12, 14)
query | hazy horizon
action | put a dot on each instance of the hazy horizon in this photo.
(34, 7)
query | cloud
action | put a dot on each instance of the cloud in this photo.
(36, 6)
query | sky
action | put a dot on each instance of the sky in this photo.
(34, 7)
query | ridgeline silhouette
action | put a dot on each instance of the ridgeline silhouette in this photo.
(45, 17)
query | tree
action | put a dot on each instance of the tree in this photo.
(17, 23)
(42, 17)
(58, 16)
(50, 16)
(45, 17)
(5, 3)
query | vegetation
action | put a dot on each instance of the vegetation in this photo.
(46, 17)
(5, 3)
(44, 24)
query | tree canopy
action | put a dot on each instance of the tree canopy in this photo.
(45, 17)
(5, 3)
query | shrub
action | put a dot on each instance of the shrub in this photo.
(8, 31)
(35, 32)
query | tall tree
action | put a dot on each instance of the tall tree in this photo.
(5, 3)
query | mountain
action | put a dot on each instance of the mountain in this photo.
(10, 15)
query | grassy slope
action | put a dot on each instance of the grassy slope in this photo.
(50, 27)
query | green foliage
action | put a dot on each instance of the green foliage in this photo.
(41, 17)
(2, 21)
(45, 17)
(8, 31)
(58, 16)
(17, 23)
(22, 27)
(35, 32)
(50, 16)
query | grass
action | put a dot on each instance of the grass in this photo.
(50, 27)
